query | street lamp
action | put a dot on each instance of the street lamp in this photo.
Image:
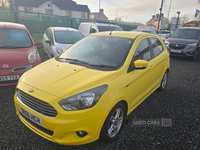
(99, 8)
(178, 12)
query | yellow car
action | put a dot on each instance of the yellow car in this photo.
(87, 91)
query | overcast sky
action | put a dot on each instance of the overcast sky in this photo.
(142, 10)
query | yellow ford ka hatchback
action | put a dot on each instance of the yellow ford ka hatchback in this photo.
(87, 91)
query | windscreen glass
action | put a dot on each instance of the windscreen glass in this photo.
(186, 34)
(99, 51)
(13, 38)
(67, 37)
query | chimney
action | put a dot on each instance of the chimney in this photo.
(162, 15)
(153, 16)
(101, 11)
(157, 15)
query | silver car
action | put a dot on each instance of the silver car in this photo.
(57, 39)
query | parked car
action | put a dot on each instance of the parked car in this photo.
(147, 29)
(184, 42)
(86, 92)
(87, 28)
(164, 33)
(18, 52)
(57, 39)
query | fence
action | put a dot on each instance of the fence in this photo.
(37, 23)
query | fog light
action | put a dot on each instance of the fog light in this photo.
(81, 133)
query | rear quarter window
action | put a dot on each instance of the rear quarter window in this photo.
(156, 46)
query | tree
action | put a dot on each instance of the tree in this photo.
(6, 4)
(185, 18)
(119, 19)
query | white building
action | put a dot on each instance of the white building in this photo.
(59, 7)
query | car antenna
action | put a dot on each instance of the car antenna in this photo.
(111, 32)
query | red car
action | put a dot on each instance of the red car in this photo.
(18, 52)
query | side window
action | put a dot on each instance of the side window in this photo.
(93, 29)
(157, 46)
(143, 51)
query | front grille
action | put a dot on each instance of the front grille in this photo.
(23, 68)
(177, 46)
(36, 104)
(49, 132)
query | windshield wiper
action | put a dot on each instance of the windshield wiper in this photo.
(102, 66)
(75, 61)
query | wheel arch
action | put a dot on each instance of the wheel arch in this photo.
(124, 102)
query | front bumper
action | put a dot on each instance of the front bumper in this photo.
(186, 52)
(65, 125)
(8, 72)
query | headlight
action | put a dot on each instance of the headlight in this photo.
(32, 56)
(59, 51)
(166, 43)
(191, 45)
(83, 100)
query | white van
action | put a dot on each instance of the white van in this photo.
(87, 28)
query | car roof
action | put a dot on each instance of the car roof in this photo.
(64, 29)
(188, 28)
(100, 24)
(146, 28)
(123, 34)
(11, 25)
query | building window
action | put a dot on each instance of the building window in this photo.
(48, 11)
(92, 16)
(83, 14)
(69, 13)
(28, 9)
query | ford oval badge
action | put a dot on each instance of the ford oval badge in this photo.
(31, 90)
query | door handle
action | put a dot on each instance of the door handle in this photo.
(151, 67)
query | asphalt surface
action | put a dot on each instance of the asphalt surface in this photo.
(180, 102)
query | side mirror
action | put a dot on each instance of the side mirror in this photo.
(38, 43)
(48, 41)
(138, 64)
(141, 64)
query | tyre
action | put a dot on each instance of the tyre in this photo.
(163, 82)
(113, 124)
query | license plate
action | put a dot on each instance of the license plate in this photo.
(30, 116)
(175, 51)
(8, 78)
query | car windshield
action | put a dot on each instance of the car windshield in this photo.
(14, 38)
(186, 34)
(67, 37)
(109, 28)
(99, 52)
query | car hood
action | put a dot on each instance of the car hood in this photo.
(62, 46)
(64, 79)
(181, 41)
(14, 57)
